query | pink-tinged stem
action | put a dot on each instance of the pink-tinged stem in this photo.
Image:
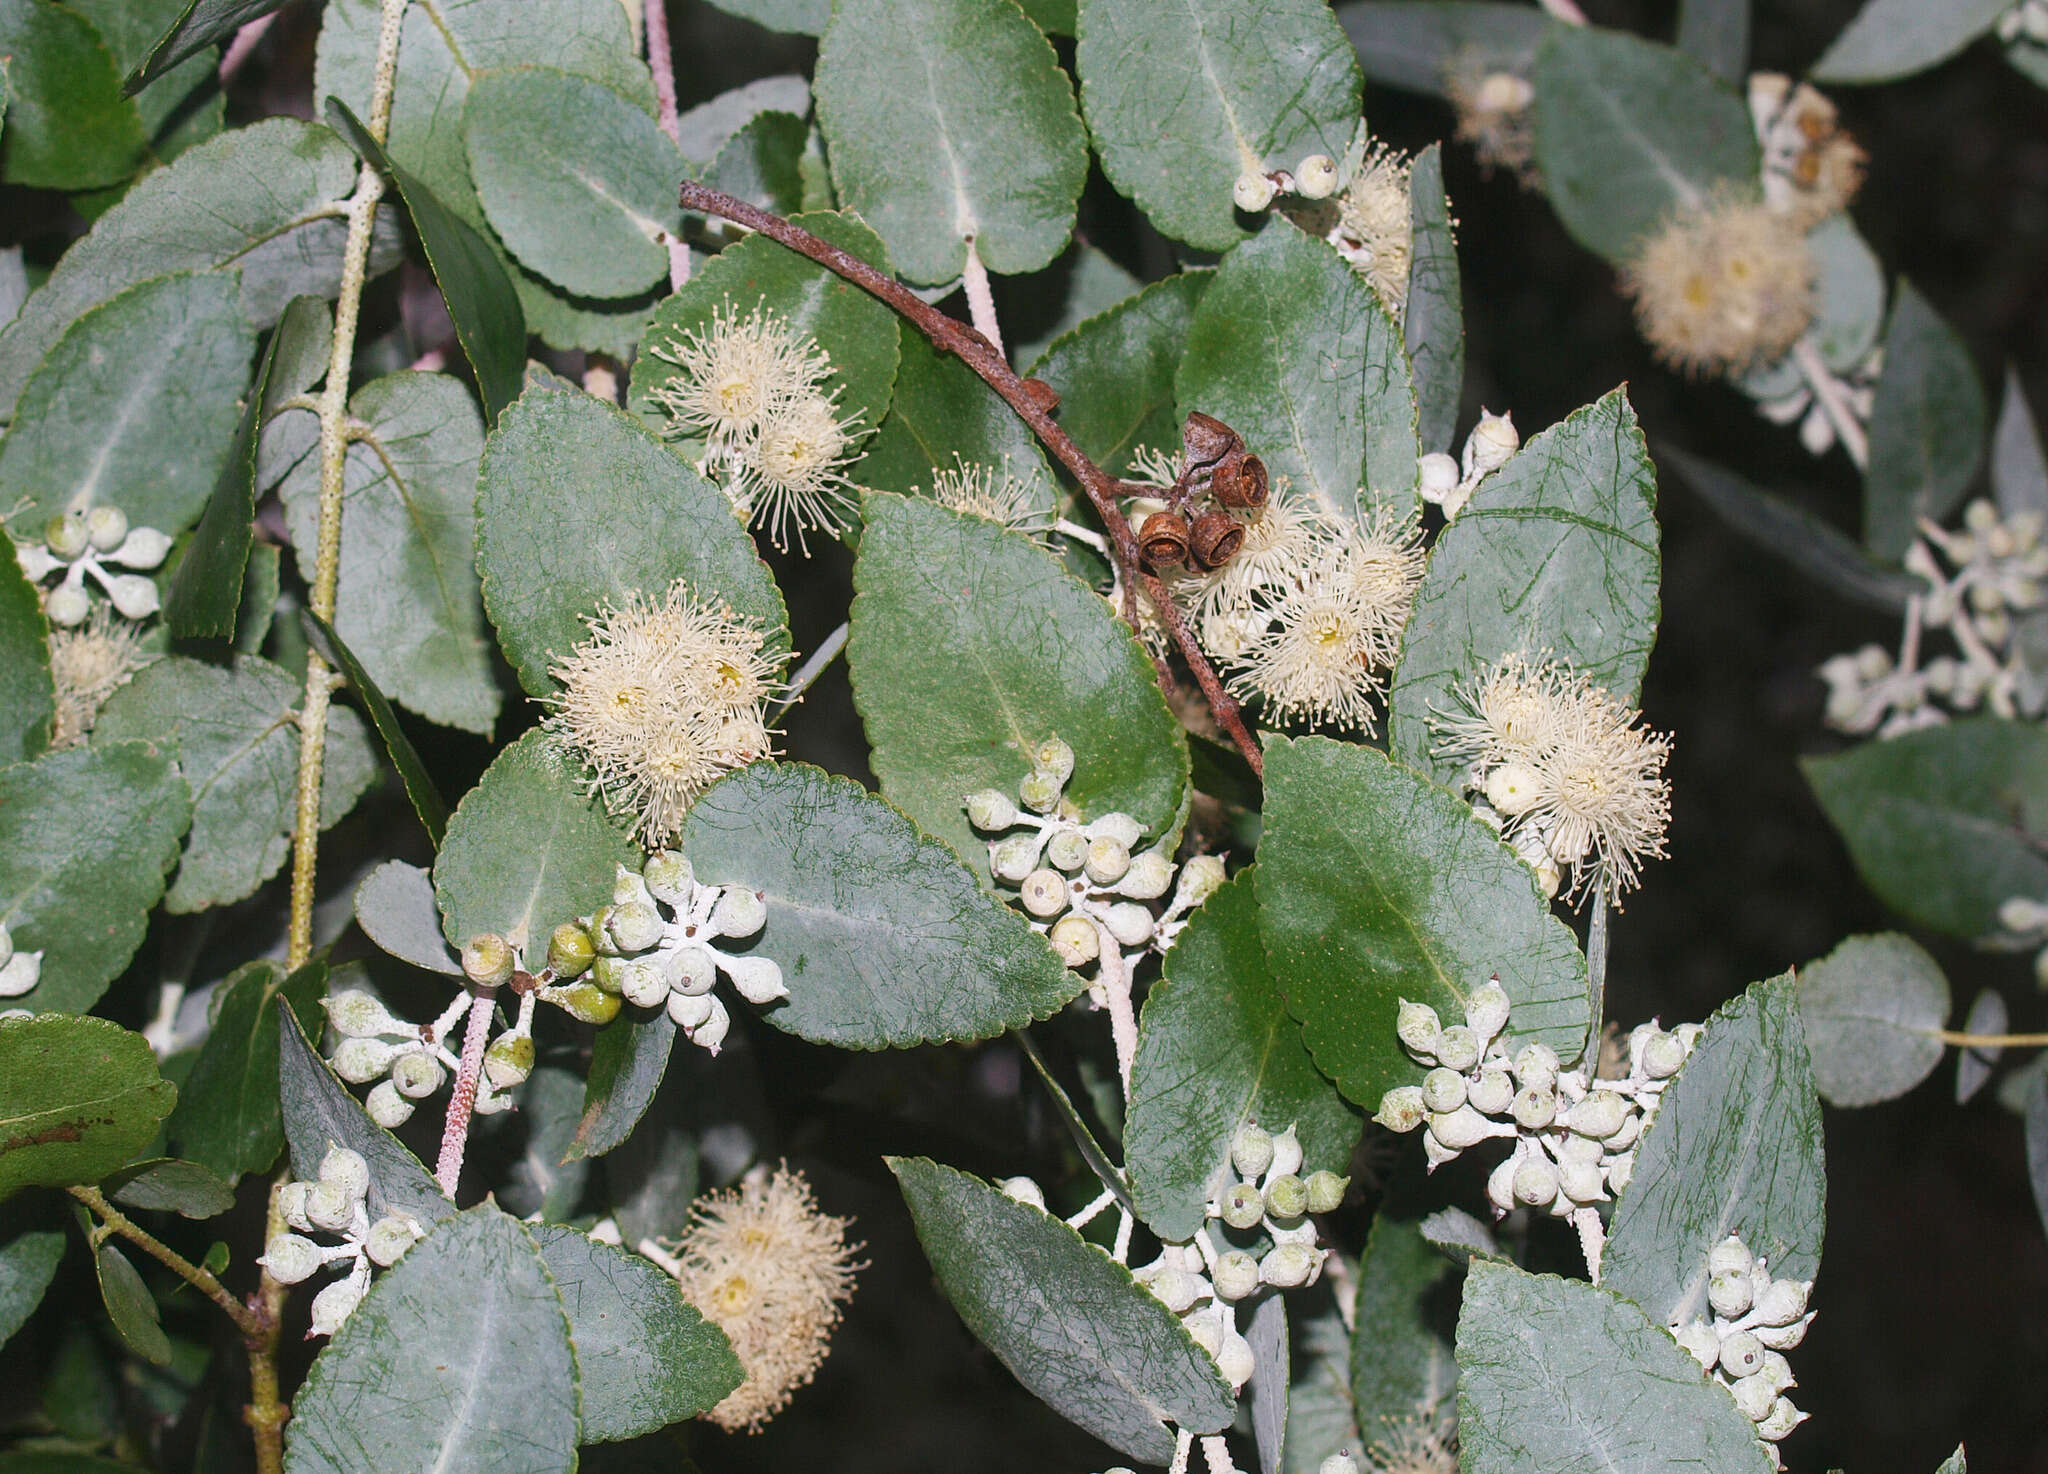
(244, 45)
(455, 1134)
(654, 16)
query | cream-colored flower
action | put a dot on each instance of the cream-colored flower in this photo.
(1495, 114)
(793, 475)
(1416, 1444)
(1811, 166)
(89, 664)
(995, 496)
(1723, 286)
(1374, 229)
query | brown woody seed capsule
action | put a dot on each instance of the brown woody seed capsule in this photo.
(1206, 440)
(1215, 538)
(1164, 539)
(1240, 480)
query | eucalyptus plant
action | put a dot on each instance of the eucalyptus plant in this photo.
(1253, 731)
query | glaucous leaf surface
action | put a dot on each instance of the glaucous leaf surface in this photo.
(1890, 39)
(950, 121)
(541, 1184)
(78, 1098)
(1560, 1376)
(1376, 885)
(231, 730)
(1926, 428)
(1987, 1015)
(1114, 372)
(1217, 1048)
(458, 1358)
(1558, 552)
(1946, 823)
(763, 163)
(1628, 131)
(1087, 282)
(527, 849)
(577, 505)
(942, 418)
(28, 693)
(1459, 1235)
(1873, 1009)
(970, 646)
(228, 1117)
(1433, 322)
(884, 938)
(1319, 1417)
(28, 1262)
(2019, 467)
(68, 126)
(203, 599)
(1735, 1148)
(1266, 1334)
(1417, 45)
(706, 128)
(87, 837)
(169, 1185)
(130, 1306)
(1184, 97)
(1402, 1362)
(412, 773)
(1293, 350)
(1715, 33)
(645, 1357)
(627, 1064)
(1067, 1320)
(395, 908)
(134, 407)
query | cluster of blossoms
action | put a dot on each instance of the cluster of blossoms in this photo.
(1574, 1134)
(1368, 221)
(1559, 766)
(995, 495)
(771, 1271)
(335, 1203)
(1494, 108)
(95, 645)
(1755, 1320)
(1998, 565)
(410, 1062)
(19, 971)
(663, 699)
(1448, 484)
(754, 390)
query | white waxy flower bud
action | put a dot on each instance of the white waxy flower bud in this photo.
(689, 1010)
(1076, 940)
(1206, 1330)
(290, 1259)
(1067, 850)
(1782, 1302)
(134, 595)
(1439, 476)
(143, 547)
(1055, 759)
(642, 984)
(1252, 192)
(1251, 1149)
(1730, 1295)
(1781, 1420)
(1176, 1289)
(1443, 1090)
(629, 887)
(634, 926)
(1286, 1196)
(1401, 1109)
(1118, 826)
(1730, 1256)
(991, 809)
(328, 1207)
(1459, 1130)
(1503, 92)
(487, 960)
(741, 911)
(1689, 1035)
(387, 1107)
(1107, 860)
(416, 1074)
(346, 1170)
(1580, 1181)
(356, 1014)
(1663, 1055)
(1599, 1115)
(1535, 1182)
(388, 1239)
(1130, 923)
(1500, 1185)
(691, 969)
(1418, 1028)
(66, 536)
(2020, 914)
(359, 1061)
(1150, 874)
(1315, 177)
(1235, 1360)
(1458, 1047)
(20, 973)
(710, 1034)
(1014, 858)
(105, 527)
(1701, 1340)
(1491, 445)
(1492, 1093)
(1776, 1371)
(1513, 788)
(1023, 1190)
(1236, 1275)
(759, 979)
(1754, 1395)
(333, 1306)
(1621, 1171)
(1339, 1462)
(67, 606)
(1742, 1355)
(509, 1060)
(1581, 1149)
(291, 1205)
(1040, 792)
(1286, 1152)
(1784, 1338)
(1200, 878)
(1535, 1107)
(1288, 1266)
(1486, 1010)
(669, 877)
(1243, 1205)
(1325, 1191)
(1044, 893)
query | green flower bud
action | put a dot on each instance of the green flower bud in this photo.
(333, 1306)
(1730, 1256)
(1040, 792)
(759, 979)
(1779, 1421)
(1075, 939)
(67, 606)
(487, 960)
(328, 1206)
(417, 1074)
(1534, 1107)
(1535, 1183)
(608, 972)
(587, 1002)
(1200, 878)
(509, 1060)
(1023, 1190)
(741, 911)
(1150, 874)
(346, 1170)
(598, 926)
(1742, 1355)
(1492, 1093)
(569, 951)
(1599, 1115)
(1055, 759)
(1107, 860)
(689, 1010)
(1288, 1266)
(1443, 1090)
(1130, 923)
(1401, 1109)
(291, 1259)
(1243, 1205)
(642, 984)
(1486, 1010)
(1418, 1029)
(990, 809)
(356, 1014)
(1236, 1275)
(1730, 1295)
(1699, 1339)
(1044, 893)
(1286, 1196)
(105, 528)
(1536, 1065)
(388, 1239)
(1457, 1047)
(387, 1107)
(1014, 858)
(1325, 1191)
(629, 888)
(669, 877)
(633, 927)
(1251, 1150)
(1120, 827)
(67, 536)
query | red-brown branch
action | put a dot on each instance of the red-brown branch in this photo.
(952, 336)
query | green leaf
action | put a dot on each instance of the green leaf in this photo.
(626, 1067)
(1987, 1015)
(1084, 282)
(1217, 1048)
(168, 1185)
(1114, 372)
(645, 1356)
(527, 850)
(28, 693)
(706, 128)
(231, 729)
(1628, 131)
(763, 163)
(543, 1183)
(578, 182)
(2036, 1138)
(1418, 45)
(205, 594)
(481, 301)
(408, 603)
(1106, 1171)
(802, 17)
(261, 199)
(1558, 552)
(885, 940)
(1890, 39)
(412, 773)
(319, 1113)
(130, 1306)
(1376, 885)
(1926, 429)
(78, 1098)
(2019, 468)
(86, 838)
(969, 647)
(458, 1358)
(199, 24)
(943, 417)
(1945, 823)
(228, 1117)
(1873, 1009)
(1955, 1463)
(188, 107)
(134, 408)
(1406, 1313)
(1433, 324)
(1456, 1233)
(1735, 1148)
(1563, 1377)
(1182, 98)
(1294, 351)
(950, 121)
(652, 1176)
(578, 505)
(68, 126)
(1715, 33)
(1319, 1417)
(28, 1262)
(395, 908)
(1067, 1320)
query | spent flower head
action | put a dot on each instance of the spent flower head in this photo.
(1723, 286)
(88, 664)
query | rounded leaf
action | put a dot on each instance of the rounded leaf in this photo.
(1874, 1008)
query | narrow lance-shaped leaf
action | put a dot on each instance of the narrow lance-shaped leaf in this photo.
(199, 25)
(228, 1116)
(1890, 39)
(1926, 427)
(1874, 1008)
(205, 596)
(28, 692)
(1433, 322)
(130, 1306)
(78, 1098)
(412, 772)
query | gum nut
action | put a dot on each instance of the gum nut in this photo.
(1235, 1360)
(1055, 759)
(1024, 1190)
(1486, 1010)
(291, 1205)
(1535, 1183)
(1782, 1302)
(1236, 1275)
(105, 527)
(487, 960)
(1339, 1462)
(1067, 850)
(1784, 1338)
(1536, 1064)
(328, 1207)
(1730, 1256)
(607, 971)
(629, 886)
(1459, 1130)
(134, 595)
(741, 911)
(1107, 860)
(290, 1259)
(1631, 1129)
(1200, 877)
(21, 972)
(1492, 1093)
(1580, 1181)
(691, 969)
(417, 1074)
(1779, 1421)
(1500, 1186)
(66, 536)
(346, 1170)
(588, 1003)
(634, 926)
(1044, 893)
(1620, 1172)
(1742, 1355)
(1754, 1396)
(143, 547)
(1040, 792)
(669, 877)
(1251, 1149)
(1014, 858)
(1076, 940)
(689, 1009)
(1599, 1115)
(569, 951)
(1777, 1371)
(1252, 192)
(359, 1061)
(1699, 1338)
(1325, 1191)
(1286, 1196)
(1457, 1047)
(1439, 475)
(1663, 1055)
(1730, 1295)
(1243, 1205)
(1286, 1151)
(509, 1060)
(333, 1306)
(1401, 1109)
(1315, 177)
(388, 1239)
(991, 809)
(67, 606)
(1147, 879)
(759, 979)
(710, 1034)
(1288, 1266)
(1418, 1029)
(642, 984)
(386, 1106)
(355, 1014)
(1513, 788)
(1535, 1107)
(1443, 1090)
(1130, 923)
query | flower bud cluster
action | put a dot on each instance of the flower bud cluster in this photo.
(81, 546)
(1315, 178)
(1088, 888)
(335, 1203)
(1448, 483)
(2023, 916)
(410, 1062)
(653, 947)
(1755, 1320)
(19, 971)
(2026, 21)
